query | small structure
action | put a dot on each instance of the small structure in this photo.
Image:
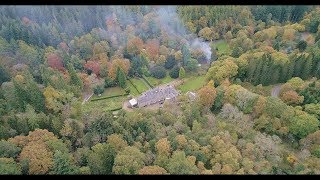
(191, 95)
(157, 95)
(133, 102)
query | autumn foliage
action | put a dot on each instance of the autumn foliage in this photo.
(55, 62)
(94, 66)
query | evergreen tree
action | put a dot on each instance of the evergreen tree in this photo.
(185, 55)
(121, 78)
(182, 73)
(63, 164)
(75, 79)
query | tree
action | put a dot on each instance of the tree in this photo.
(245, 100)
(93, 66)
(134, 46)
(163, 147)
(185, 54)
(221, 70)
(296, 83)
(98, 90)
(174, 73)
(8, 149)
(179, 164)
(191, 65)
(55, 62)
(9, 167)
(152, 170)
(206, 33)
(158, 72)
(27, 91)
(124, 64)
(121, 78)
(178, 56)
(74, 78)
(170, 63)
(152, 48)
(313, 109)
(117, 142)
(304, 124)
(4, 75)
(274, 107)
(40, 159)
(207, 95)
(101, 159)
(182, 73)
(128, 161)
(292, 98)
(63, 164)
(302, 45)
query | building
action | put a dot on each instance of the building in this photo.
(191, 95)
(133, 102)
(157, 95)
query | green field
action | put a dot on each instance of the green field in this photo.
(141, 86)
(110, 92)
(157, 82)
(223, 47)
(265, 90)
(192, 84)
(133, 91)
(105, 104)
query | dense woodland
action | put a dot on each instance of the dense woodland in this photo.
(52, 57)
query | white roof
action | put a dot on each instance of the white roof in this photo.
(192, 93)
(133, 102)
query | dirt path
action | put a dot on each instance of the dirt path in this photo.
(87, 96)
(304, 36)
(275, 91)
(125, 106)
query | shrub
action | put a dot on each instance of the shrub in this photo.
(158, 72)
(174, 73)
(98, 90)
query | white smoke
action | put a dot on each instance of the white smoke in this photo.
(198, 43)
(170, 20)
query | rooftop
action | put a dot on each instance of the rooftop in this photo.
(157, 94)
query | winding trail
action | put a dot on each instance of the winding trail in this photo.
(275, 91)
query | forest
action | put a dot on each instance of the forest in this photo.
(247, 79)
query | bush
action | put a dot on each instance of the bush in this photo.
(158, 72)
(302, 45)
(115, 109)
(108, 97)
(192, 65)
(170, 63)
(174, 73)
(108, 82)
(146, 72)
(98, 90)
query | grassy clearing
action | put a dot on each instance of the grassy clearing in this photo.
(157, 82)
(133, 90)
(105, 105)
(265, 90)
(192, 84)
(112, 91)
(223, 47)
(141, 86)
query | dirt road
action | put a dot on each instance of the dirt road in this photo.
(275, 91)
